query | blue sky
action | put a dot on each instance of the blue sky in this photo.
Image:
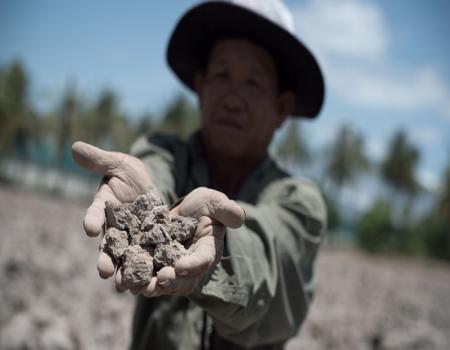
(386, 63)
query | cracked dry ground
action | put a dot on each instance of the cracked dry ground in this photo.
(52, 298)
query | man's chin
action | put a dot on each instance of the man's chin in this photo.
(224, 147)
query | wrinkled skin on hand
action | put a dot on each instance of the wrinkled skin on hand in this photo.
(124, 178)
(214, 212)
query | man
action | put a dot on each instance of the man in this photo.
(248, 280)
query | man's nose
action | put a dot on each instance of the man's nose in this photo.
(232, 100)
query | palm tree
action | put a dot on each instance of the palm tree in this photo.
(180, 117)
(346, 158)
(398, 170)
(292, 148)
(145, 124)
(105, 111)
(433, 230)
(3, 115)
(16, 118)
(68, 122)
(122, 133)
(444, 198)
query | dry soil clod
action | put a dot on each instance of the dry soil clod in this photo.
(156, 234)
(137, 268)
(116, 242)
(168, 254)
(135, 236)
(145, 203)
(144, 237)
(158, 215)
(182, 228)
(120, 217)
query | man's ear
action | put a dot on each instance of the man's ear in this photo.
(198, 86)
(286, 105)
(198, 82)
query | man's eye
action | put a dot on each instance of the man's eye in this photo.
(220, 74)
(253, 82)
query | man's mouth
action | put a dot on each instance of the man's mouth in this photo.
(230, 121)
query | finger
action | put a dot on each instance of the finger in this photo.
(105, 265)
(95, 159)
(95, 214)
(202, 257)
(119, 283)
(151, 290)
(169, 282)
(229, 214)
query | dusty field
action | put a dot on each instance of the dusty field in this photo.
(52, 297)
(365, 302)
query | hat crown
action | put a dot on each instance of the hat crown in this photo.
(269, 24)
(273, 10)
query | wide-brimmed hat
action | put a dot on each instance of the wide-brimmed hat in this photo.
(269, 24)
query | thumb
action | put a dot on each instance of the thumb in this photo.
(95, 159)
(229, 214)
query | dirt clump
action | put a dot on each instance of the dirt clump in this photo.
(116, 242)
(168, 254)
(120, 217)
(137, 268)
(142, 237)
(182, 228)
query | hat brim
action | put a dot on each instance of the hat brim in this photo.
(203, 24)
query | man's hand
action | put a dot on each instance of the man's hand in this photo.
(214, 212)
(124, 178)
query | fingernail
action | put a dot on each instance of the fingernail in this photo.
(182, 273)
(165, 283)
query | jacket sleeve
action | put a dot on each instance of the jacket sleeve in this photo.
(260, 291)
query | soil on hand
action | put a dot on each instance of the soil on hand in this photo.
(143, 237)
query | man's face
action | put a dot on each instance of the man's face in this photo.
(239, 99)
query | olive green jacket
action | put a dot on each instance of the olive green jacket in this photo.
(258, 294)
